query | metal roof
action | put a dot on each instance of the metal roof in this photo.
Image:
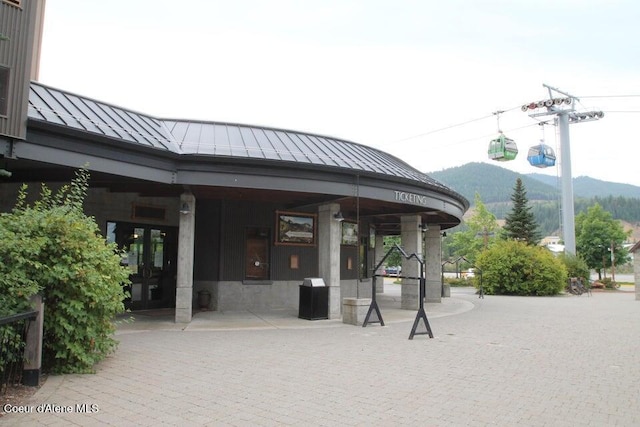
(215, 139)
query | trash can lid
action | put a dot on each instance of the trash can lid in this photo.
(313, 281)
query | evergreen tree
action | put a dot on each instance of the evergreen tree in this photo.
(520, 224)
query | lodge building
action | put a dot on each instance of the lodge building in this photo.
(245, 213)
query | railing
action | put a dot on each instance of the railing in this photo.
(13, 335)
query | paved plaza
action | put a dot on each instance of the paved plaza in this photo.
(505, 361)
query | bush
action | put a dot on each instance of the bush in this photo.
(453, 282)
(575, 265)
(515, 268)
(54, 248)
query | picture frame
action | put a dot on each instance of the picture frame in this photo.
(294, 228)
(349, 233)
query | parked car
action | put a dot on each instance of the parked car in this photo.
(469, 273)
(392, 271)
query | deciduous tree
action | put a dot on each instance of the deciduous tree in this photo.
(596, 234)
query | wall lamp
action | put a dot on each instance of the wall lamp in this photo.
(338, 217)
(185, 208)
(424, 227)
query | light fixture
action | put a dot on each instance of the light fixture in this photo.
(424, 227)
(185, 209)
(338, 217)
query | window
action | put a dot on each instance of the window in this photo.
(16, 3)
(4, 90)
(257, 253)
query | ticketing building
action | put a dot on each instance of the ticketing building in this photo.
(237, 212)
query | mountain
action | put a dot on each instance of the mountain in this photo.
(495, 184)
(584, 186)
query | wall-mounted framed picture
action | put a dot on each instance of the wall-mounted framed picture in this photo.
(295, 228)
(349, 233)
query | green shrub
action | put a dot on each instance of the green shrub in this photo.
(53, 247)
(575, 265)
(460, 282)
(515, 268)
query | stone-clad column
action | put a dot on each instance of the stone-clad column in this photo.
(378, 254)
(186, 239)
(411, 236)
(433, 264)
(329, 235)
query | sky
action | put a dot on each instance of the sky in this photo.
(419, 79)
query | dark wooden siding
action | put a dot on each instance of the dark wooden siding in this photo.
(236, 217)
(207, 243)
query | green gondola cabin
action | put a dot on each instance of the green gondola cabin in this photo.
(502, 149)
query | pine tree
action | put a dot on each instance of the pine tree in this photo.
(520, 224)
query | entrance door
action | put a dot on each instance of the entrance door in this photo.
(151, 255)
(257, 254)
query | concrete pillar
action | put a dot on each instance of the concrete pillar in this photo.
(378, 254)
(186, 239)
(411, 238)
(329, 236)
(433, 264)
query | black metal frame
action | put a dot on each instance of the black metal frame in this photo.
(14, 371)
(421, 314)
(480, 291)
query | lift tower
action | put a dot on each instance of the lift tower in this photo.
(564, 117)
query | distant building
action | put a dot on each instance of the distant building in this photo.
(553, 244)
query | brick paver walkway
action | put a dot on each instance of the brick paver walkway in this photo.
(557, 361)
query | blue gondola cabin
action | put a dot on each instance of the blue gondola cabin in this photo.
(541, 156)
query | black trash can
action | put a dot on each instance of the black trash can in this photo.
(314, 300)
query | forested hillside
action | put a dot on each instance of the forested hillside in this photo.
(584, 186)
(495, 185)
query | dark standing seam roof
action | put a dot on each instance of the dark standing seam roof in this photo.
(220, 140)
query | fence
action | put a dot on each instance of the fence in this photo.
(13, 339)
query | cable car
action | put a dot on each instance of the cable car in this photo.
(502, 149)
(541, 156)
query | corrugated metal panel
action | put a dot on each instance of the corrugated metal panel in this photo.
(16, 49)
(85, 114)
(215, 139)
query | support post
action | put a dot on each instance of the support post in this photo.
(329, 233)
(411, 236)
(432, 262)
(186, 239)
(33, 348)
(568, 220)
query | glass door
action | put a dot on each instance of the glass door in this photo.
(150, 255)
